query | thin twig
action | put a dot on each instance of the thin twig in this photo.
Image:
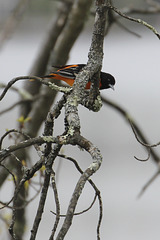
(14, 105)
(32, 78)
(13, 131)
(134, 20)
(142, 143)
(127, 29)
(136, 128)
(149, 183)
(57, 205)
(146, 159)
(81, 212)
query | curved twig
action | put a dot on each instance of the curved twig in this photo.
(136, 128)
(12, 131)
(81, 212)
(134, 20)
(146, 159)
(32, 78)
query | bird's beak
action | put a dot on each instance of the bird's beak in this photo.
(111, 86)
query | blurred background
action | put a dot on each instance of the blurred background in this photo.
(134, 62)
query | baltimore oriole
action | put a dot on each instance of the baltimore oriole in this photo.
(68, 74)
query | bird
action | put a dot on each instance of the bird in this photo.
(68, 73)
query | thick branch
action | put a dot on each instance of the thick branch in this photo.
(71, 112)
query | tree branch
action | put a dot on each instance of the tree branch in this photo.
(135, 20)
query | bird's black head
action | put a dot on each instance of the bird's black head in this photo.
(107, 81)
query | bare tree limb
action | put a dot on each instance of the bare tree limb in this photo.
(71, 113)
